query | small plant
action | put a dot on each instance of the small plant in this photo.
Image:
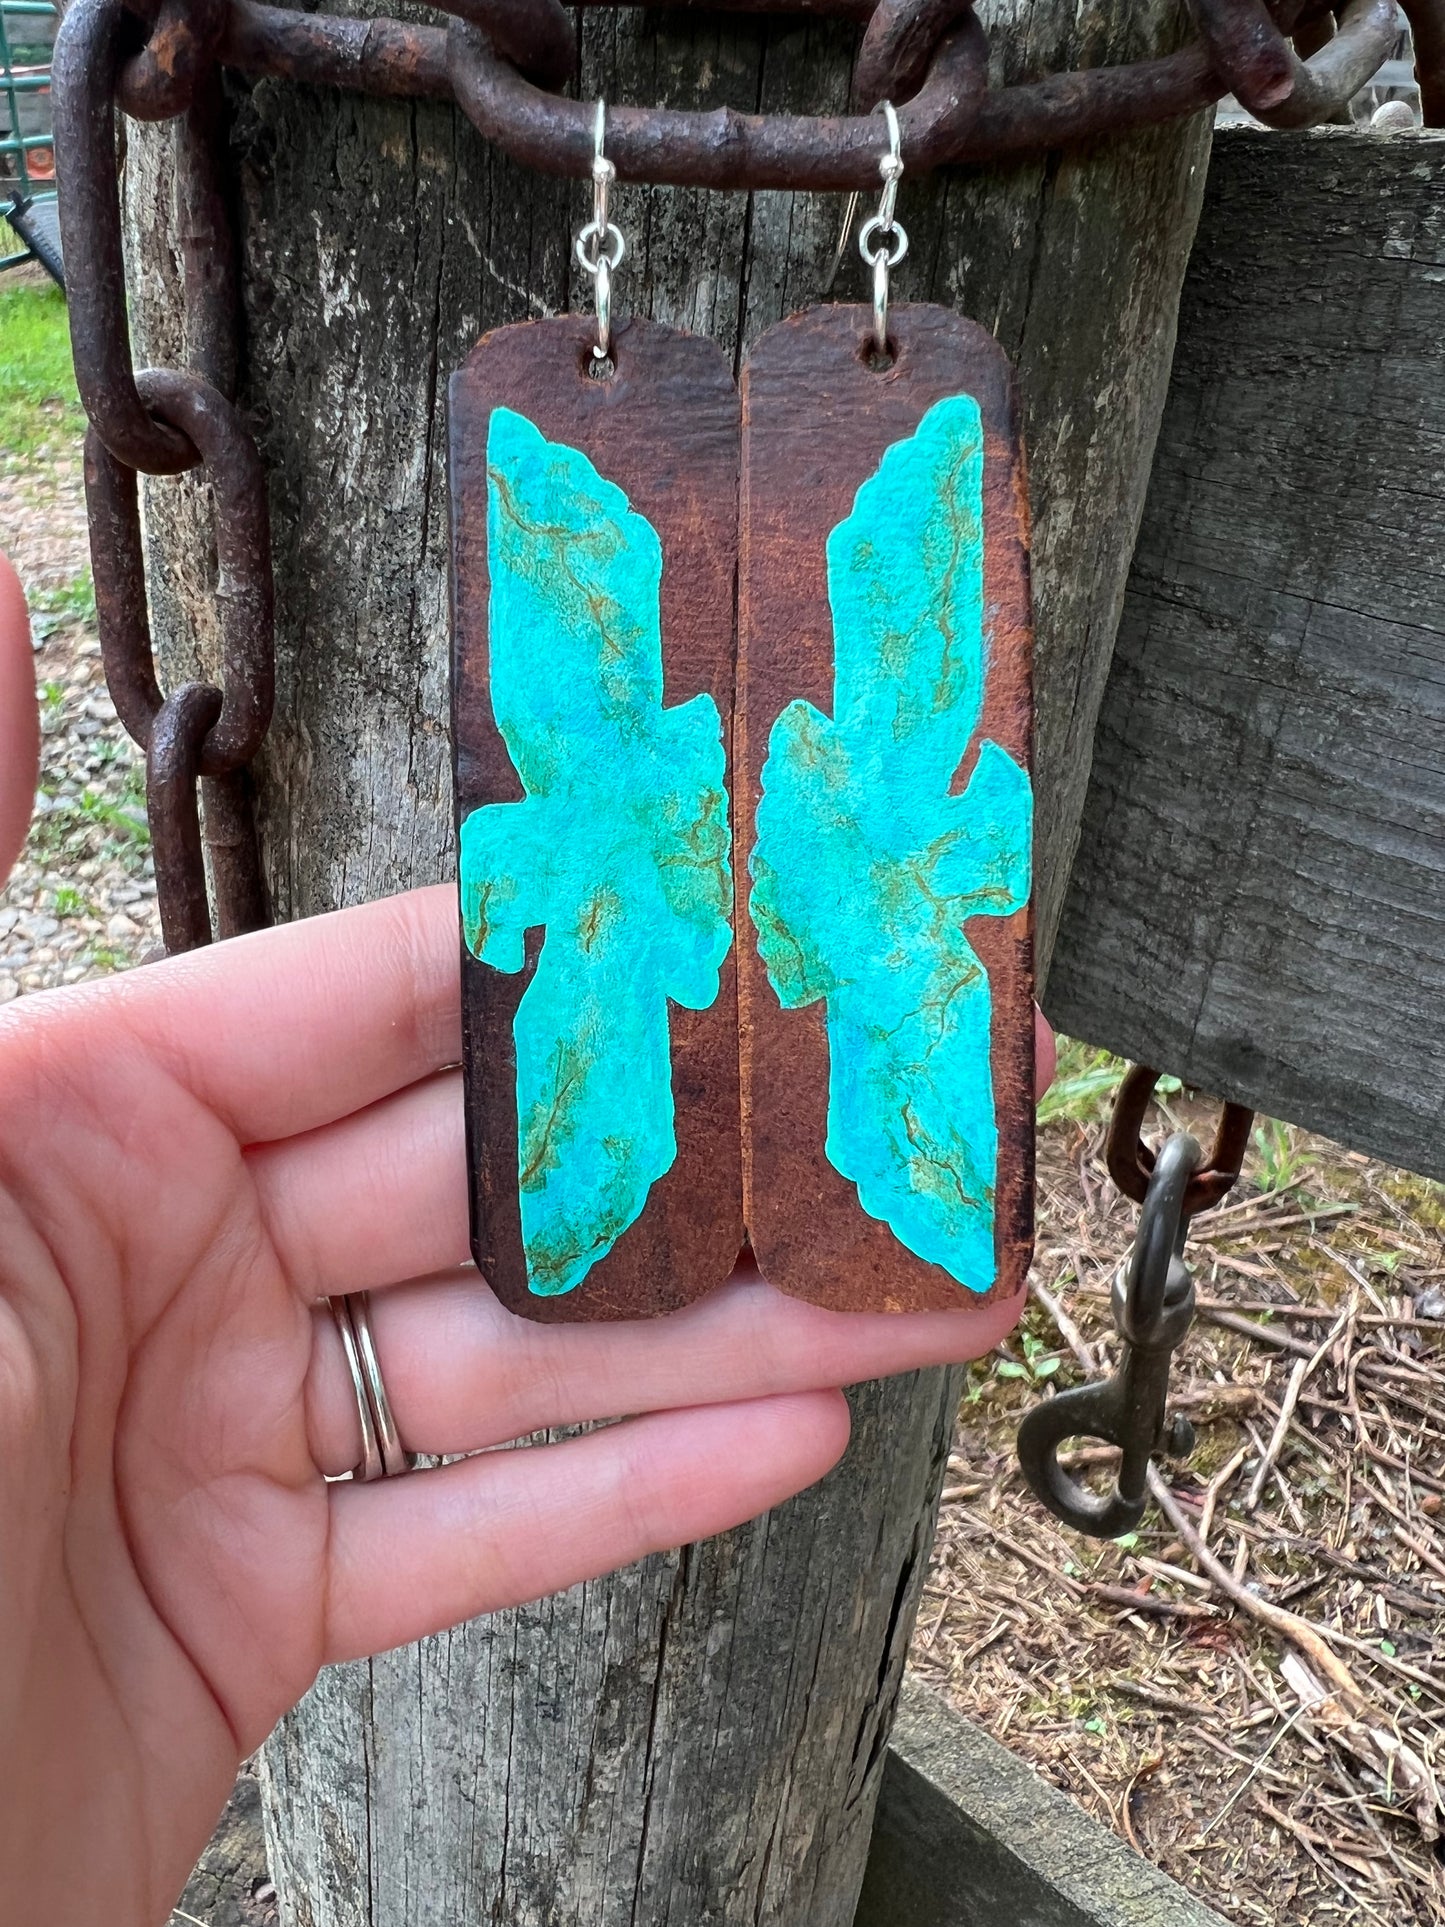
(124, 818)
(69, 605)
(92, 825)
(104, 956)
(1038, 1363)
(1085, 1082)
(1279, 1162)
(70, 903)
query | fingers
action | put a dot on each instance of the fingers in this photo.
(1046, 1053)
(19, 719)
(288, 1029)
(379, 1196)
(412, 1555)
(462, 1373)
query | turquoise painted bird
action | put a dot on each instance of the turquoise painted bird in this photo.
(620, 850)
(867, 868)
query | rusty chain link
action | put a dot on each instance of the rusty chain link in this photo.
(243, 552)
(499, 61)
(1131, 1161)
(198, 741)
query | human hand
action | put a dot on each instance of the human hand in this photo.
(191, 1157)
(19, 718)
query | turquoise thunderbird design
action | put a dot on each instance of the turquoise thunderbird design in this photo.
(620, 850)
(866, 867)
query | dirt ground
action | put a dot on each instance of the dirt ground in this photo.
(1283, 1771)
(1223, 1748)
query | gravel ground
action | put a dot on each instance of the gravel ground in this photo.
(82, 900)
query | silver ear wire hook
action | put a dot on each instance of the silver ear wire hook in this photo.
(849, 212)
(881, 241)
(600, 245)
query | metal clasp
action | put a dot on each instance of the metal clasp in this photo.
(1153, 1307)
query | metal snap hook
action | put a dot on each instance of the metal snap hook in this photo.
(1153, 1307)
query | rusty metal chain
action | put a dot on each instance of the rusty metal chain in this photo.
(1131, 1162)
(947, 109)
(499, 61)
(200, 739)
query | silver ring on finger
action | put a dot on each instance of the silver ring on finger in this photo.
(382, 1452)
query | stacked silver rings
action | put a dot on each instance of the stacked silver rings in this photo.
(382, 1453)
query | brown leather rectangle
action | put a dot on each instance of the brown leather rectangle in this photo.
(663, 428)
(819, 417)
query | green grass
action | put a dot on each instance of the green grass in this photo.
(68, 605)
(1280, 1164)
(104, 956)
(92, 825)
(38, 399)
(1084, 1085)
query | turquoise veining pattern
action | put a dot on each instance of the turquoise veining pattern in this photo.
(866, 868)
(620, 850)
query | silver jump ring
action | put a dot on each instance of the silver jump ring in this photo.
(598, 244)
(382, 1452)
(894, 249)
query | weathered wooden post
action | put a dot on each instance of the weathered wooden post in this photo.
(697, 1739)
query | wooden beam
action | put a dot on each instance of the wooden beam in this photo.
(703, 1735)
(1257, 898)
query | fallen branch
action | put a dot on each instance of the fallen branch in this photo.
(1151, 1603)
(1065, 1326)
(1298, 1632)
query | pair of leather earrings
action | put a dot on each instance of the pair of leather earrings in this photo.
(742, 717)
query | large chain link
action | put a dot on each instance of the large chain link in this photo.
(498, 59)
(930, 56)
(200, 739)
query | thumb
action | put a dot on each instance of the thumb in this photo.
(1046, 1053)
(19, 719)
